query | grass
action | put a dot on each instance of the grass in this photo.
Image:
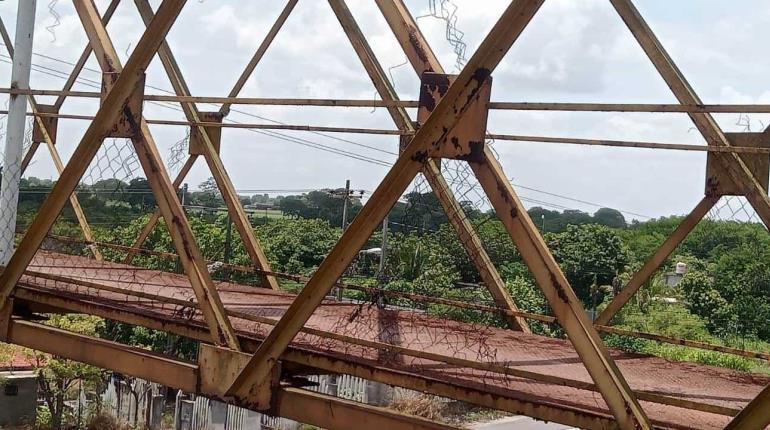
(267, 213)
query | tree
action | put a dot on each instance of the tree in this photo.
(590, 256)
(610, 217)
(139, 194)
(208, 196)
(325, 205)
(57, 376)
(297, 245)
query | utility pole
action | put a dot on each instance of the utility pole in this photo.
(14, 138)
(228, 243)
(183, 195)
(345, 201)
(383, 248)
(182, 200)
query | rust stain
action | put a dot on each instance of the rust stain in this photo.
(475, 153)
(560, 291)
(420, 156)
(427, 100)
(414, 40)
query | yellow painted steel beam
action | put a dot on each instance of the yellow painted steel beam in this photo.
(561, 297)
(211, 155)
(654, 262)
(257, 57)
(165, 194)
(105, 354)
(155, 217)
(293, 403)
(571, 315)
(736, 168)
(88, 147)
(755, 415)
(40, 301)
(432, 172)
(444, 118)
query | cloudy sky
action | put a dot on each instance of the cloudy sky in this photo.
(573, 50)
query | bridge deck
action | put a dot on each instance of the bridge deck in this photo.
(689, 381)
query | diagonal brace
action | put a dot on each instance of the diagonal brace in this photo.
(86, 150)
(654, 262)
(224, 110)
(230, 196)
(149, 157)
(444, 118)
(88, 234)
(432, 172)
(571, 316)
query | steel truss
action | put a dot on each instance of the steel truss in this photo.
(452, 125)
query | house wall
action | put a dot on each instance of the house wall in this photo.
(20, 408)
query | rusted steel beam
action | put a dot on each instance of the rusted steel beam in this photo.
(43, 127)
(6, 313)
(495, 136)
(561, 414)
(632, 107)
(224, 110)
(653, 263)
(105, 354)
(455, 303)
(409, 36)
(211, 155)
(83, 59)
(755, 415)
(334, 413)
(629, 144)
(363, 103)
(446, 115)
(459, 362)
(155, 217)
(257, 57)
(561, 297)
(550, 412)
(734, 165)
(570, 313)
(165, 194)
(293, 403)
(88, 147)
(231, 100)
(432, 171)
(218, 368)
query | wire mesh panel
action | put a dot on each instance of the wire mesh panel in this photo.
(733, 208)
(10, 200)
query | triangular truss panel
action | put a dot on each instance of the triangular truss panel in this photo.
(312, 336)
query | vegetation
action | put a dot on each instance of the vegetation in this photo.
(723, 299)
(60, 379)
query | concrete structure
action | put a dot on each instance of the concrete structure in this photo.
(18, 397)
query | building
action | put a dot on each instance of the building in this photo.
(18, 391)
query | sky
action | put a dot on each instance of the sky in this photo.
(572, 51)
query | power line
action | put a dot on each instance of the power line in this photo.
(274, 134)
(297, 140)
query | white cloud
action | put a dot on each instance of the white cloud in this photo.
(572, 51)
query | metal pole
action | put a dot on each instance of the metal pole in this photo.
(384, 248)
(228, 243)
(345, 198)
(183, 197)
(14, 141)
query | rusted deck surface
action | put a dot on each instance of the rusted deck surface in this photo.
(689, 381)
